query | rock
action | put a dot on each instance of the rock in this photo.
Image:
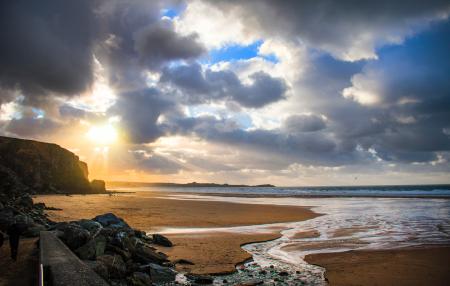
(145, 254)
(183, 261)
(200, 279)
(115, 265)
(161, 240)
(87, 251)
(40, 206)
(25, 201)
(139, 279)
(34, 230)
(100, 245)
(283, 273)
(111, 220)
(99, 267)
(92, 226)
(120, 239)
(160, 274)
(126, 255)
(251, 282)
(98, 186)
(74, 236)
(92, 249)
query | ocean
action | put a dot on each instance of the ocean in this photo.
(353, 218)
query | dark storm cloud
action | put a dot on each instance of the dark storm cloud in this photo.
(348, 29)
(158, 44)
(139, 112)
(304, 123)
(411, 82)
(414, 97)
(69, 111)
(208, 86)
(46, 46)
(313, 148)
(29, 126)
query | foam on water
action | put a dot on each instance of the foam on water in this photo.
(346, 224)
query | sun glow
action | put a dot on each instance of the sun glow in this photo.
(102, 134)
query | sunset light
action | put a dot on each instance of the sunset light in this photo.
(102, 134)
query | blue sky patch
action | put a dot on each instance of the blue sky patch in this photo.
(238, 52)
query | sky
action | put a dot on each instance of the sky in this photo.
(292, 93)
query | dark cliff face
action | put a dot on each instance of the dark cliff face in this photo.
(38, 167)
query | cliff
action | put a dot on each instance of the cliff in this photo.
(37, 167)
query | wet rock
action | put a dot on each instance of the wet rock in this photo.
(139, 279)
(201, 279)
(160, 274)
(25, 201)
(126, 255)
(92, 249)
(283, 273)
(145, 254)
(87, 251)
(251, 282)
(114, 264)
(161, 240)
(183, 262)
(111, 220)
(92, 226)
(74, 235)
(99, 267)
(120, 239)
(34, 230)
(263, 272)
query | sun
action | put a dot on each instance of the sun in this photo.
(102, 134)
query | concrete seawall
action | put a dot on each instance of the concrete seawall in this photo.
(61, 267)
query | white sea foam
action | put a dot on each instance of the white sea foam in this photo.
(346, 224)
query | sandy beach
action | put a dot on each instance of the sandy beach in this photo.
(217, 250)
(401, 267)
(212, 252)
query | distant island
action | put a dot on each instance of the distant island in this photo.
(120, 184)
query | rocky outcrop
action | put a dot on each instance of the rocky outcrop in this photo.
(37, 167)
(118, 253)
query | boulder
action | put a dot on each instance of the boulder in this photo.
(201, 279)
(34, 230)
(145, 254)
(99, 267)
(183, 262)
(74, 235)
(125, 254)
(92, 226)
(161, 240)
(25, 201)
(160, 274)
(253, 282)
(111, 220)
(139, 279)
(87, 251)
(114, 264)
(92, 249)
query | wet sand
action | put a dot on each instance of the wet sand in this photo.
(212, 252)
(408, 267)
